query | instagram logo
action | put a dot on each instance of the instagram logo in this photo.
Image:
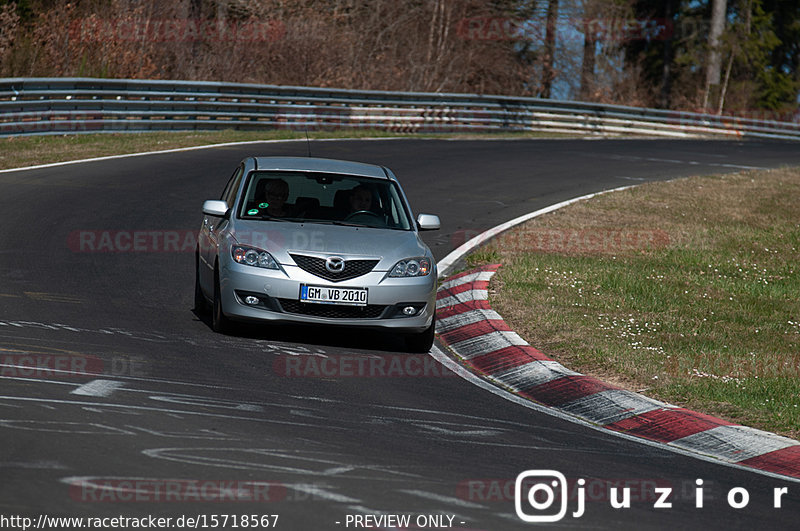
(541, 495)
(537, 492)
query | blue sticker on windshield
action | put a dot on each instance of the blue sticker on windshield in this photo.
(252, 212)
(263, 205)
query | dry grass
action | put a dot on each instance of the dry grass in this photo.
(16, 152)
(22, 151)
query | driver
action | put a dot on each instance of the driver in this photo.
(360, 199)
(275, 196)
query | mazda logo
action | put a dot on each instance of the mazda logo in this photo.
(334, 264)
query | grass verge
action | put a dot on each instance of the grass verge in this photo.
(686, 291)
(16, 152)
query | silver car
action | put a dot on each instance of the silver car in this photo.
(316, 241)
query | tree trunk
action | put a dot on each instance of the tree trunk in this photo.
(714, 64)
(548, 72)
(589, 50)
(748, 22)
(666, 67)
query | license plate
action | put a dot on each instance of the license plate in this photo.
(327, 295)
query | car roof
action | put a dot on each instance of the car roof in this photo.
(320, 165)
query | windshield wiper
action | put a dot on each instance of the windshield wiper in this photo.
(266, 217)
(340, 223)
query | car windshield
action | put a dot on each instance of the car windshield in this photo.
(312, 197)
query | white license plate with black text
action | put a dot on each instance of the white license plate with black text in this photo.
(328, 295)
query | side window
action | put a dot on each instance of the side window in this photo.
(228, 184)
(229, 195)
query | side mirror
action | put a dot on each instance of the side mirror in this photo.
(428, 222)
(215, 208)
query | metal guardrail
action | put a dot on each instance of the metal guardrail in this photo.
(43, 106)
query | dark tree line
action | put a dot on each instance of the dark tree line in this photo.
(754, 65)
(714, 55)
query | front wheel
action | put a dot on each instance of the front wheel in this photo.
(219, 322)
(421, 342)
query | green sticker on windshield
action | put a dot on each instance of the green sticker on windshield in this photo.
(252, 212)
(263, 205)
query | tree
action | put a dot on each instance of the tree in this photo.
(606, 26)
(590, 13)
(752, 80)
(713, 64)
(548, 70)
(751, 64)
(786, 25)
(658, 64)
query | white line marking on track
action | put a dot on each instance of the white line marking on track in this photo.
(102, 388)
(208, 402)
(316, 492)
(131, 378)
(57, 426)
(177, 413)
(191, 148)
(449, 261)
(38, 380)
(444, 499)
(103, 411)
(199, 434)
(740, 167)
(278, 460)
(337, 470)
(361, 509)
(34, 465)
(459, 433)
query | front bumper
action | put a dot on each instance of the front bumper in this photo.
(278, 295)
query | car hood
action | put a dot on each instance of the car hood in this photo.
(283, 238)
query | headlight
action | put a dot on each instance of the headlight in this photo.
(253, 257)
(411, 267)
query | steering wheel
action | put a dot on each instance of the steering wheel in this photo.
(363, 213)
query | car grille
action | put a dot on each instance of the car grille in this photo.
(316, 266)
(332, 311)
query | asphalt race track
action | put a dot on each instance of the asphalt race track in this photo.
(166, 418)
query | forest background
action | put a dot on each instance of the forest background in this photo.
(735, 57)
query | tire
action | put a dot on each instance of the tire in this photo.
(421, 342)
(200, 302)
(219, 322)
